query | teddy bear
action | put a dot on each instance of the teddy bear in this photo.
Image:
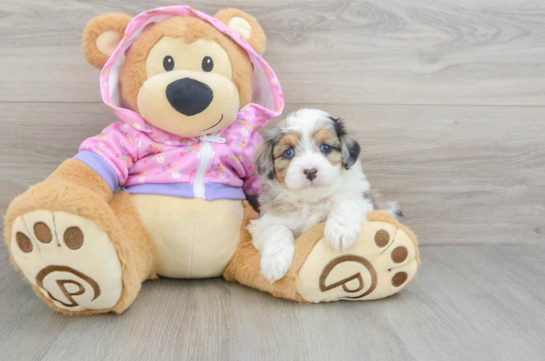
(169, 189)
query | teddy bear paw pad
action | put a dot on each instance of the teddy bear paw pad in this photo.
(68, 258)
(381, 262)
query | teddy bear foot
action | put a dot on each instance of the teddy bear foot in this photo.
(68, 259)
(381, 263)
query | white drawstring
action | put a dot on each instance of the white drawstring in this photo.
(213, 139)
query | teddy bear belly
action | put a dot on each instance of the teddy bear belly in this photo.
(193, 238)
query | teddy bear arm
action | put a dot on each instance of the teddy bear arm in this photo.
(80, 174)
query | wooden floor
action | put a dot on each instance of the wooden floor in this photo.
(447, 99)
(468, 303)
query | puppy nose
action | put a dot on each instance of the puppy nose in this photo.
(311, 173)
(189, 96)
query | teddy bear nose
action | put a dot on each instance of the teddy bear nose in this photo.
(189, 96)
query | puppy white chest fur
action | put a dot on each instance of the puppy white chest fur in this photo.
(309, 214)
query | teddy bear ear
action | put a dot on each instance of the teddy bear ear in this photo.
(102, 36)
(246, 25)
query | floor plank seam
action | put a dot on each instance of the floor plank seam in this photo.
(327, 104)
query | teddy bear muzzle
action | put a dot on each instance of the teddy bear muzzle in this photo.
(189, 96)
(188, 103)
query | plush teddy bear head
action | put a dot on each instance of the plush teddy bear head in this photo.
(182, 74)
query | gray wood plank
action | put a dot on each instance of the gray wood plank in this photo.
(468, 303)
(463, 175)
(351, 52)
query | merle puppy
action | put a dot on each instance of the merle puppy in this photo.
(310, 173)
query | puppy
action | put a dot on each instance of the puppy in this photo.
(309, 173)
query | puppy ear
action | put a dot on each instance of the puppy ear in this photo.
(263, 159)
(350, 149)
(246, 25)
(102, 36)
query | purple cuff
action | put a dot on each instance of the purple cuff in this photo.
(252, 199)
(99, 165)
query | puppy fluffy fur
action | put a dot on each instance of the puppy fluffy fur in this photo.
(310, 174)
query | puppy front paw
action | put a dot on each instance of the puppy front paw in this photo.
(341, 233)
(276, 260)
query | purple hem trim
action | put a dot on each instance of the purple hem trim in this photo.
(212, 191)
(184, 190)
(99, 165)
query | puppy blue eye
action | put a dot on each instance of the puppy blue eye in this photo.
(289, 153)
(325, 148)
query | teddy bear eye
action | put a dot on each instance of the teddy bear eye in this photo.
(207, 64)
(168, 63)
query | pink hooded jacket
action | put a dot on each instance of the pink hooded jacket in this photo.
(141, 158)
